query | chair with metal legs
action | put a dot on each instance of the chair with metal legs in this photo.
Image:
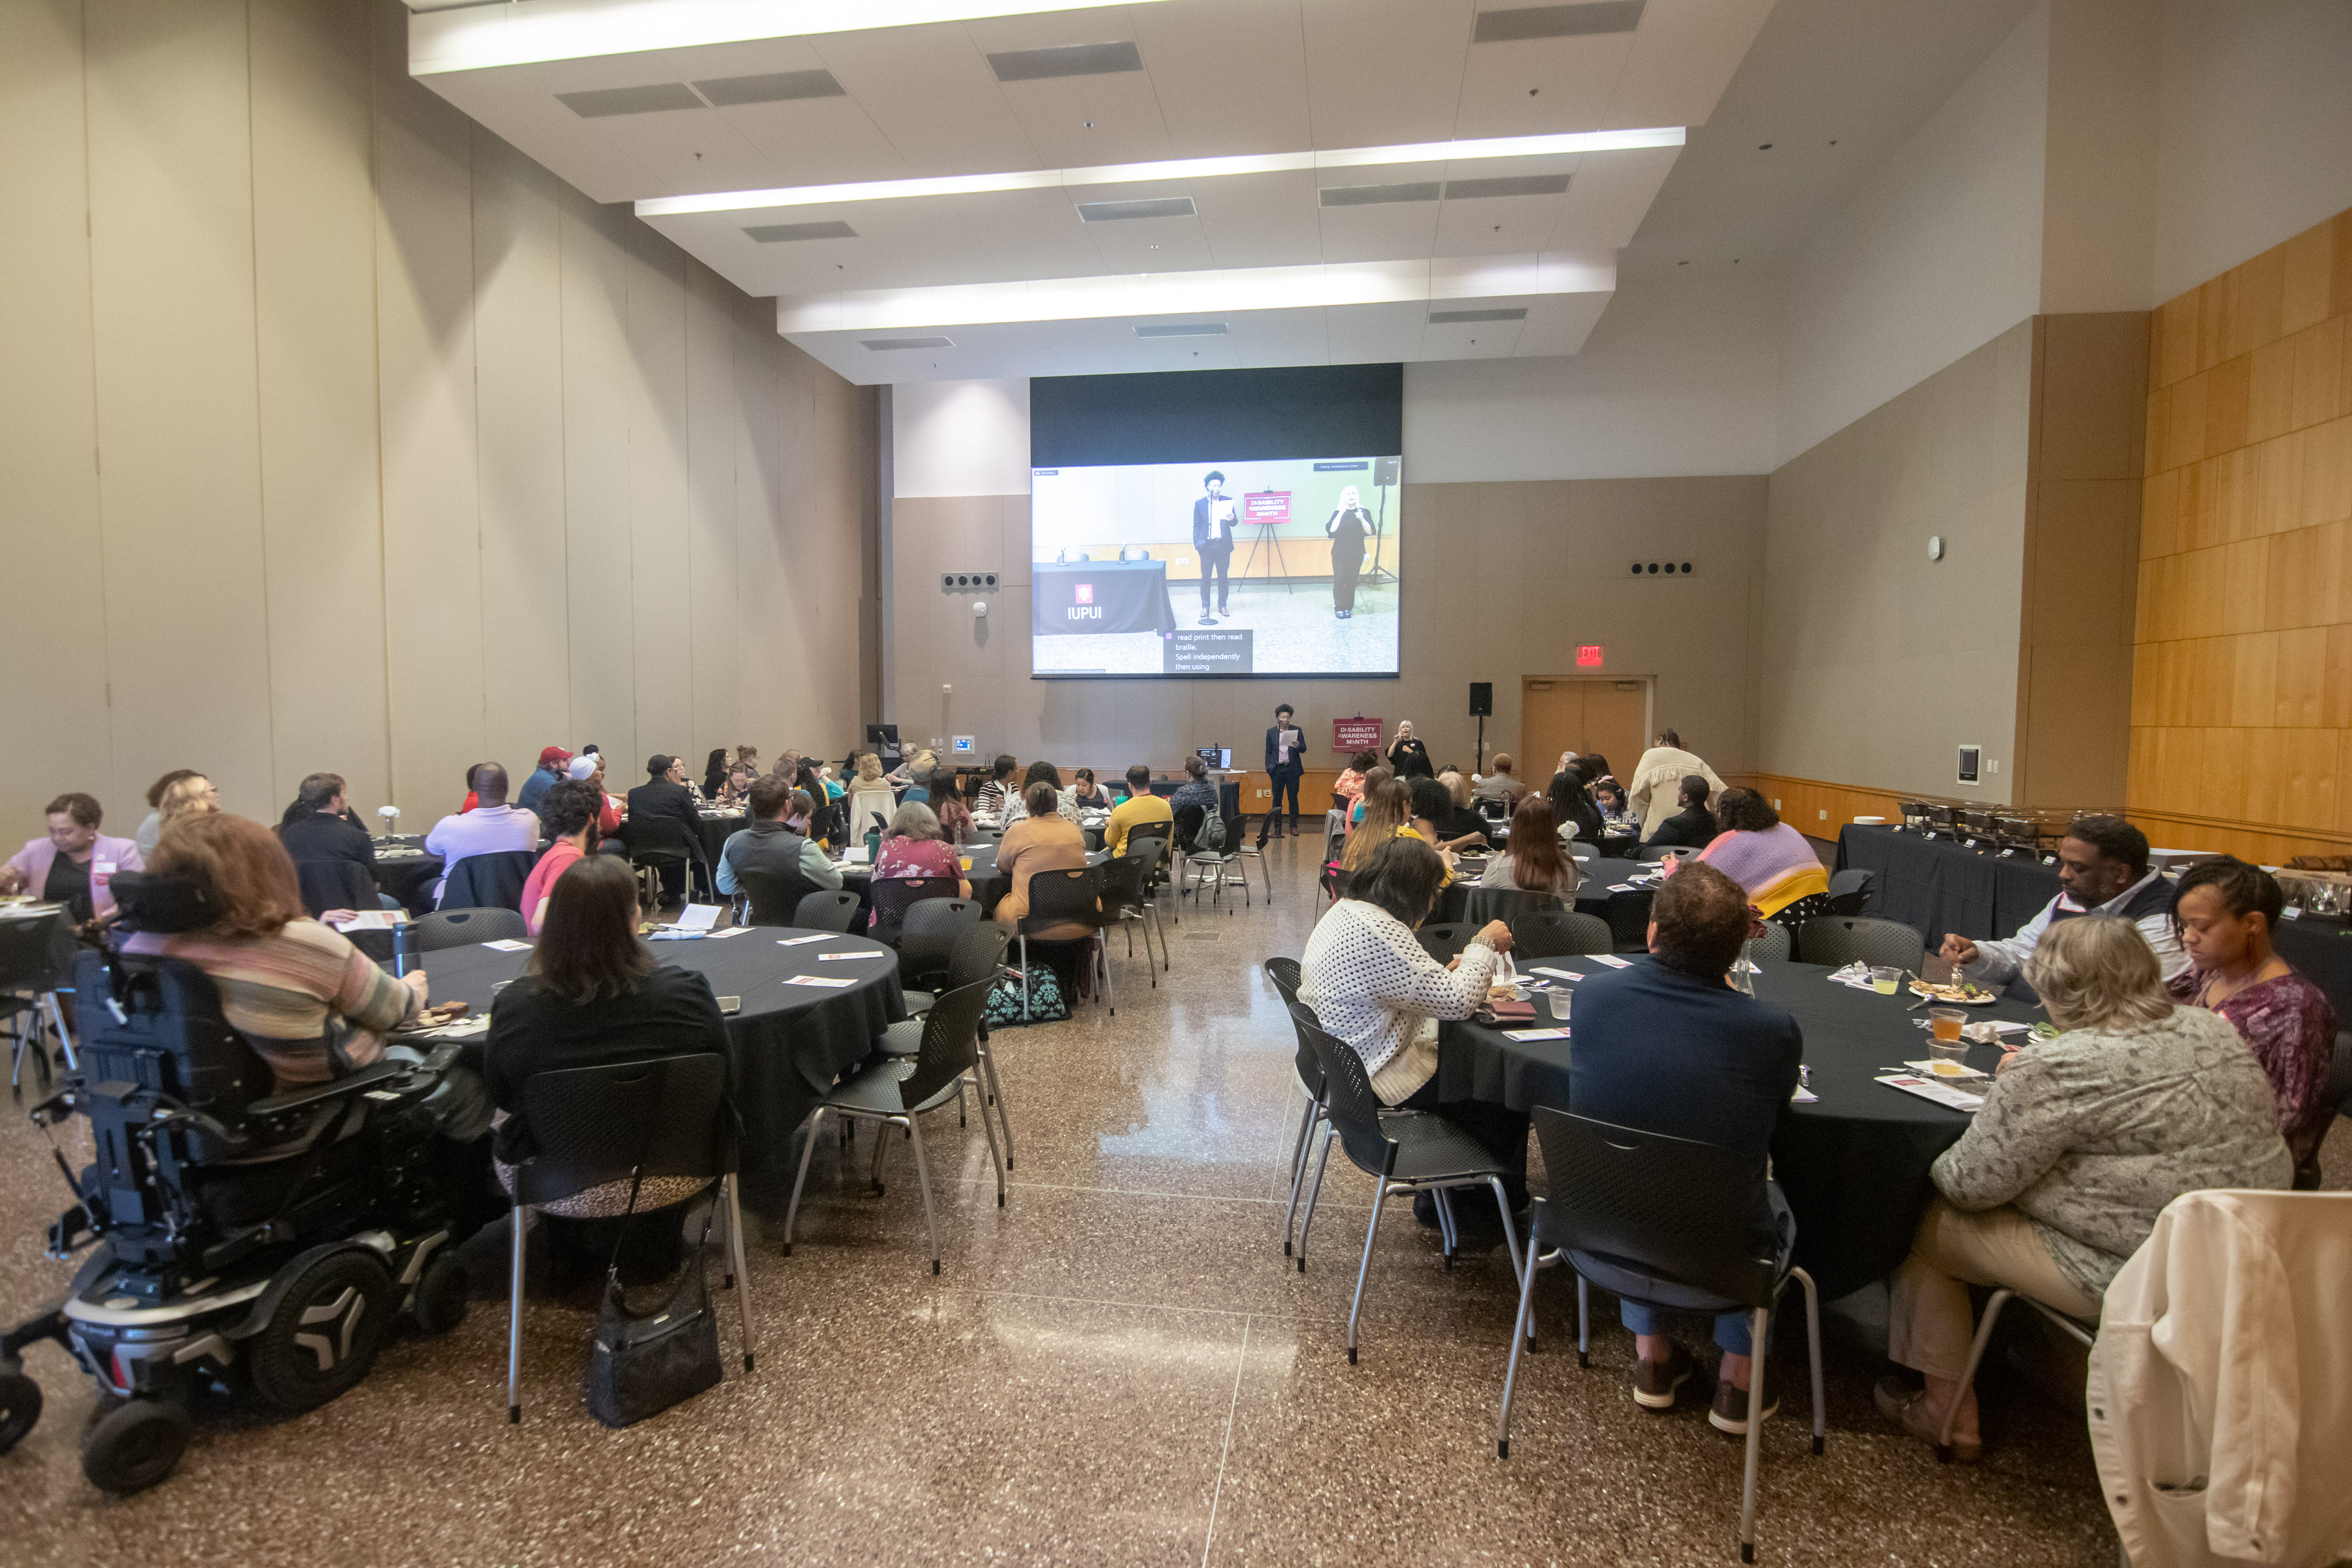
(1283, 973)
(1672, 1223)
(598, 1126)
(2082, 1333)
(1071, 897)
(900, 1090)
(1126, 901)
(35, 964)
(978, 958)
(1404, 1151)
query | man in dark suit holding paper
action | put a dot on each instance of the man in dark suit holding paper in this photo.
(1215, 518)
(1283, 765)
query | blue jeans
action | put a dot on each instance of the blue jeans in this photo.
(1733, 1330)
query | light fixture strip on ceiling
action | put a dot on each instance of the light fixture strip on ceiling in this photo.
(487, 37)
(1564, 144)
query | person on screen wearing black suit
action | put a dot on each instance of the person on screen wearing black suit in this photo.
(1213, 518)
(1284, 763)
(1347, 529)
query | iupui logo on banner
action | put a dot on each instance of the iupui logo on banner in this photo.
(1086, 592)
(1082, 606)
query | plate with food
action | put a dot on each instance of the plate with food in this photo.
(1967, 994)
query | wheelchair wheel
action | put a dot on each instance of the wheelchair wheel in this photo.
(325, 1333)
(440, 1303)
(136, 1443)
(20, 1404)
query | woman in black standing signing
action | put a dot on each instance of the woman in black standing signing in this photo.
(1346, 530)
(1407, 755)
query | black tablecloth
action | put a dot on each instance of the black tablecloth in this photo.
(1935, 886)
(1854, 1164)
(1078, 597)
(790, 1041)
(408, 878)
(715, 831)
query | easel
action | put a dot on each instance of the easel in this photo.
(1265, 535)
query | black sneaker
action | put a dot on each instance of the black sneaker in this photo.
(1655, 1382)
(1729, 1412)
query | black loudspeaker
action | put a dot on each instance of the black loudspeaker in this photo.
(1384, 471)
(1481, 699)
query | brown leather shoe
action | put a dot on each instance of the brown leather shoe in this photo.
(1908, 1408)
(1655, 1382)
(1730, 1411)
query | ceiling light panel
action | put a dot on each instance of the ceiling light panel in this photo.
(1182, 330)
(1520, 24)
(775, 87)
(485, 36)
(1067, 60)
(1156, 207)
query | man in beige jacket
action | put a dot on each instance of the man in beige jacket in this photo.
(1658, 779)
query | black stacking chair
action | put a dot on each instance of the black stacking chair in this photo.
(1284, 972)
(597, 1125)
(900, 1090)
(654, 845)
(1839, 939)
(1628, 915)
(1215, 870)
(1404, 1150)
(1651, 854)
(771, 897)
(978, 958)
(894, 896)
(831, 909)
(1067, 897)
(488, 881)
(37, 955)
(1849, 891)
(1445, 939)
(1505, 904)
(1668, 1221)
(1558, 933)
(1126, 901)
(458, 927)
(927, 944)
(343, 885)
(1773, 944)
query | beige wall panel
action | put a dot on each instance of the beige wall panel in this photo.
(526, 644)
(171, 282)
(659, 548)
(597, 371)
(314, 291)
(773, 684)
(425, 347)
(53, 702)
(713, 626)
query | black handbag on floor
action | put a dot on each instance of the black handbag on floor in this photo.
(643, 1363)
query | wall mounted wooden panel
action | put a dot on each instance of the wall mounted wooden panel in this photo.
(2241, 692)
(336, 433)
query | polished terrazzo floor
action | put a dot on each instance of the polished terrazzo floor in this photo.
(1117, 1367)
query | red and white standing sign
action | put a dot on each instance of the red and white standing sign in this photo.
(1266, 506)
(1356, 734)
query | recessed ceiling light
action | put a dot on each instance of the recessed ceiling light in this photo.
(1562, 144)
(781, 233)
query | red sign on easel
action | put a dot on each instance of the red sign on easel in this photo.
(1356, 734)
(1266, 506)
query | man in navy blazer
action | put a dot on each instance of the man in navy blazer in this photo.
(1283, 743)
(1215, 517)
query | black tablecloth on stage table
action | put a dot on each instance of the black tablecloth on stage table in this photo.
(790, 1041)
(1071, 597)
(1854, 1164)
(1935, 886)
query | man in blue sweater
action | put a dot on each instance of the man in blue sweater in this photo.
(1669, 1047)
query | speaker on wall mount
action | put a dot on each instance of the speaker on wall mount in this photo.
(1481, 699)
(1384, 471)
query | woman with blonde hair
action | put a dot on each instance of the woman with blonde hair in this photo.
(194, 794)
(2082, 1140)
(869, 796)
(1388, 813)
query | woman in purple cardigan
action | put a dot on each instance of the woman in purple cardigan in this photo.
(75, 863)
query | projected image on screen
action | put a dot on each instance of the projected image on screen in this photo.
(1217, 568)
(1216, 522)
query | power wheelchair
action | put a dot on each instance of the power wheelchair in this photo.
(248, 1241)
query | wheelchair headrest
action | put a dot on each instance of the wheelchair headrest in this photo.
(166, 902)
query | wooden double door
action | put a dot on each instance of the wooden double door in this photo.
(1580, 714)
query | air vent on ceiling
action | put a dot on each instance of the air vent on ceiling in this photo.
(778, 87)
(1375, 195)
(1070, 59)
(1183, 329)
(779, 233)
(1449, 318)
(881, 346)
(1507, 185)
(1154, 206)
(647, 99)
(1557, 21)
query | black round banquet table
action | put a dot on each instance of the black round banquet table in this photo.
(1853, 1164)
(407, 877)
(790, 1041)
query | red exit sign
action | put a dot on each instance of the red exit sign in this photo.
(1588, 657)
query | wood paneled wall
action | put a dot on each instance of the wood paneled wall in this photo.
(337, 434)
(2241, 687)
(1817, 809)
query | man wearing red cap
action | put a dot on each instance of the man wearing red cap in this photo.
(555, 764)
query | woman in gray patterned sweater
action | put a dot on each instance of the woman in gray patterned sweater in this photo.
(2082, 1142)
